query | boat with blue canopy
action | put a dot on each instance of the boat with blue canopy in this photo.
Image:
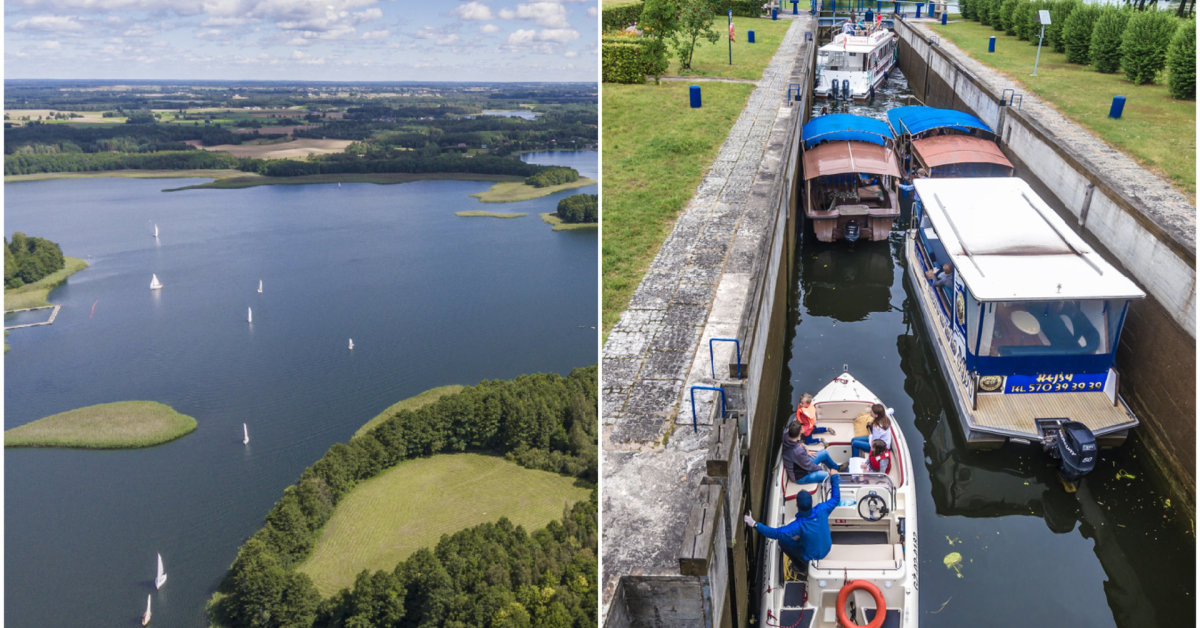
(946, 143)
(1024, 317)
(850, 177)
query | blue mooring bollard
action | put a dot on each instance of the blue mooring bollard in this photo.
(774, 14)
(749, 37)
(943, 18)
(918, 11)
(992, 44)
(1118, 105)
(694, 91)
(795, 11)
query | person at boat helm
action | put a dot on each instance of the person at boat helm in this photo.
(807, 536)
(801, 466)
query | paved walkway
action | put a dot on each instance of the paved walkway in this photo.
(651, 356)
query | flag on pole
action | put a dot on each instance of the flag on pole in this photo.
(731, 37)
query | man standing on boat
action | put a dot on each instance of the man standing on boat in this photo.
(807, 536)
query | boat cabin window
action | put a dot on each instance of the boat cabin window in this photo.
(932, 244)
(1045, 328)
(831, 60)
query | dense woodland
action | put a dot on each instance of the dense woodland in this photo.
(492, 574)
(27, 260)
(394, 128)
(579, 208)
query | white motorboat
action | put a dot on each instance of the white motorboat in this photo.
(870, 575)
(855, 63)
(155, 284)
(161, 578)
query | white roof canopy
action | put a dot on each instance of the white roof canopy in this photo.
(1007, 244)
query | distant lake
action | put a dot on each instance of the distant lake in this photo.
(429, 298)
(521, 113)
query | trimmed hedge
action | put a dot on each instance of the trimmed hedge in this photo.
(1078, 33)
(619, 17)
(1144, 45)
(1059, 13)
(623, 60)
(1181, 62)
(1106, 39)
(743, 8)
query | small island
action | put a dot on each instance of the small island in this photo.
(580, 211)
(479, 213)
(118, 425)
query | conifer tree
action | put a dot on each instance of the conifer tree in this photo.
(1144, 45)
(1181, 62)
(1106, 39)
(1078, 33)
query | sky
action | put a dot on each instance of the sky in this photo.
(325, 40)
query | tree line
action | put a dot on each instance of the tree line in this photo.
(38, 137)
(28, 259)
(579, 208)
(540, 421)
(552, 175)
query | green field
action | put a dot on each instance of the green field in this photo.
(412, 505)
(119, 425)
(34, 294)
(1155, 130)
(478, 213)
(509, 191)
(412, 403)
(551, 218)
(656, 152)
(749, 59)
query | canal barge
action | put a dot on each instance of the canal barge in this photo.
(850, 177)
(871, 568)
(946, 143)
(855, 63)
(1025, 326)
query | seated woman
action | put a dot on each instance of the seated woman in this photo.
(881, 429)
(806, 415)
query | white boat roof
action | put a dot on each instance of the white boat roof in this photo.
(857, 43)
(1008, 244)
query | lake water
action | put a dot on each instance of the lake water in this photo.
(1113, 554)
(429, 298)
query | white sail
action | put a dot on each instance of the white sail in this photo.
(245, 435)
(146, 615)
(260, 286)
(352, 344)
(156, 230)
(155, 284)
(249, 315)
(161, 578)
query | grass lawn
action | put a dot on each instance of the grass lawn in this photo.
(412, 403)
(478, 213)
(509, 191)
(749, 60)
(34, 294)
(656, 151)
(385, 519)
(119, 425)
(551, 218)
(1156, 130)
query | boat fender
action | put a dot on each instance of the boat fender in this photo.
(869, 587)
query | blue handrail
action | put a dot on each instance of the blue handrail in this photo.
(712, 361)
(694, 389)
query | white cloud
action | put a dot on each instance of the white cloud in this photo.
(448, 39)
(473, 11)
(49, 24)
(561, 35)
(373, 35)
(591, 11)
(547, 14)
(51, 45)
(489, 28)
(521, 36)
(571, 54)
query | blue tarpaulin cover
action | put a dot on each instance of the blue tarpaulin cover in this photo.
(916, 120)
(846, 127)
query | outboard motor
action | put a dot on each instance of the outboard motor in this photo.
(851, 233)
(1074, 446)
(833, 89)
(845, 89)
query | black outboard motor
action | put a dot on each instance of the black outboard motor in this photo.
(1074, 446)
(851, 230)
(846, 89)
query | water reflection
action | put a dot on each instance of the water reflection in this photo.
(846, 287)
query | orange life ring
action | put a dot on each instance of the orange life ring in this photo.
(880, 606)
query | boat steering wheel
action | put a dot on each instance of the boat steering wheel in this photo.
(875, 507)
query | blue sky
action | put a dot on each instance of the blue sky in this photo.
(344, 40)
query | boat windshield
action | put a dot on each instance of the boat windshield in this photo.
(1044, 328)
(832, 60)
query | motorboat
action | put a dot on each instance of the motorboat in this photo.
(850, 177)
(870, 575)
(1026, 326)
(937, 142)
(855, 63)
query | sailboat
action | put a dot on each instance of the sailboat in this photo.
(146, 615)
(161, 578)
(249, 315)
(156, 230)
(245, 435)
(352, 344)
(260, 286)
(155, 284)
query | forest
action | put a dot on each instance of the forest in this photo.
(28, 259)
(579, 208)
(493, 574)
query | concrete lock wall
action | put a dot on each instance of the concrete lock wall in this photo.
(1127, 221)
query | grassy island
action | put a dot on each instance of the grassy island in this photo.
(476, 213)
(34, 294)
(551, 218)
(410, 506)
(518, 190)
(119, 425)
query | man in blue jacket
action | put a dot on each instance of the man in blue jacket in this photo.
(807, 536)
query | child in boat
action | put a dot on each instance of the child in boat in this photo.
(881, 429)
(806, 415)
(881, 459)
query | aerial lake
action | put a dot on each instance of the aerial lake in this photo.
(428, 297)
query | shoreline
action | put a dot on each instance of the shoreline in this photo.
(36, 294)
(510, 191)
(412, 403)
(551, 218)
